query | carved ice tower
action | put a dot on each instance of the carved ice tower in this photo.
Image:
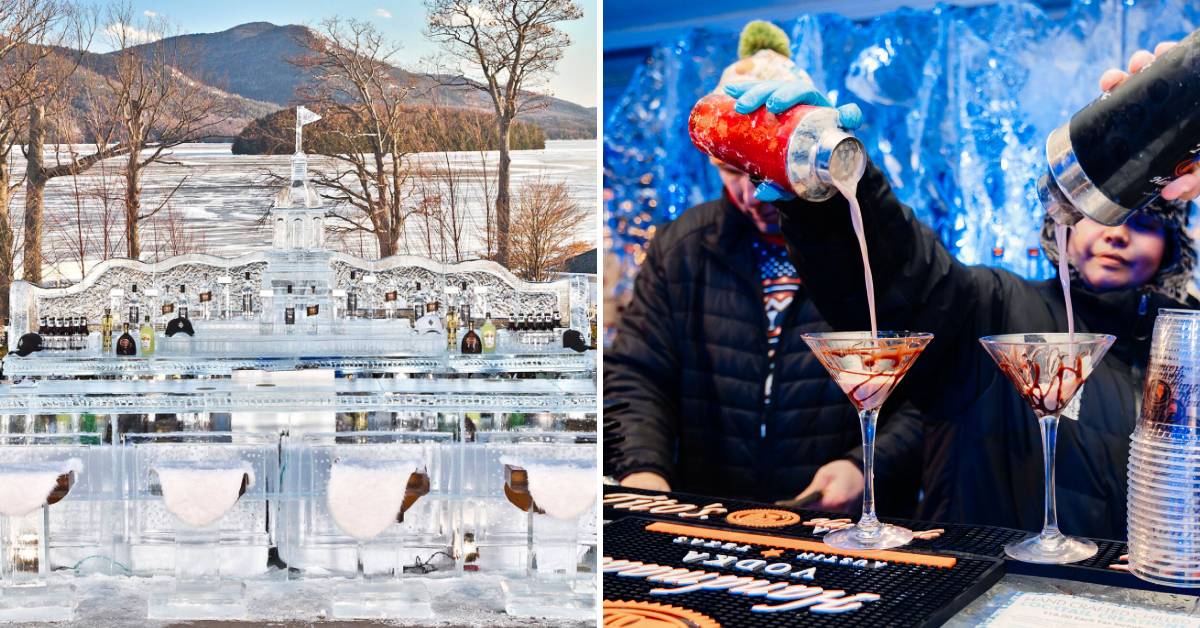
(297, 217)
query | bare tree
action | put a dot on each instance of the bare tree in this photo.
(47, 103)
(544, 229)
(362, 97)
(157, 105)
(442, 190)
(511, 46)
(171, 235)
(88, 228)
(28, 29)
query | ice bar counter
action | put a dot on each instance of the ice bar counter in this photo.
(296, 414)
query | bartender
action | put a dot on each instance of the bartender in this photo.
(723, 397)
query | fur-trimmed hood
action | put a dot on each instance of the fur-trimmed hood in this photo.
(1174, 275)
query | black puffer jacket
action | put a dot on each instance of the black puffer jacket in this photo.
(690, 358)
(983, 460)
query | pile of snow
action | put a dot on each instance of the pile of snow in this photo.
(199, 493)
(565, 489)
(364, 496)
(25, 486)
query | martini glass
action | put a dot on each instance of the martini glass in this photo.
(868, 368)
(1048, 370)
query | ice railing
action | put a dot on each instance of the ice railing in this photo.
(385, 289)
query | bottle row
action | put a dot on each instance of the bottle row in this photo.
(138, 334)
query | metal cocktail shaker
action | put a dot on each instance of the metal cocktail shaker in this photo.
(802, 149)
(1117, 153)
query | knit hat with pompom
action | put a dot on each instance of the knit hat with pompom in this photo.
(763, 55)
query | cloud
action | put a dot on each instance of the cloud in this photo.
(149, 13)
(129, 34)
(383, 13)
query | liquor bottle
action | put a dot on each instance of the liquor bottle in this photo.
(247, 298)
(50, 338)
(266, 313)
(181, 323)
(557, 320)
(126, 344)
(135, 303)
(432, 306)
(206, 304)
(452, 329)
(147, 336)
(418, 308)
(106, 332)
(512, 322)
(366, 296)
(311, 312)
(471, 342)
(352, 296)
(78, 331)
(87, 425)
(489, 334)
(183, 302)
(289, 311)
(167, 313)
(225, 281)
(389, 304)
(592, 320)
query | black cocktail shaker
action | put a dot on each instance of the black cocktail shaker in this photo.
(1117, 153)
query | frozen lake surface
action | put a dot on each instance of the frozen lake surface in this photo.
(221, 198)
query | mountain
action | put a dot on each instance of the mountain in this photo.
(251, 61)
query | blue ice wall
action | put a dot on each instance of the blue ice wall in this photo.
(958, 103)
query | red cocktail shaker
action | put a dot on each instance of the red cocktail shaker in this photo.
(802, 149)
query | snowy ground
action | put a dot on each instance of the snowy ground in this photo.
(221, 198)
(119, 602)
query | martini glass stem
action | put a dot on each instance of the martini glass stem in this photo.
(1049, 425)
(868, 525)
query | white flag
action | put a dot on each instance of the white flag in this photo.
(304, 116)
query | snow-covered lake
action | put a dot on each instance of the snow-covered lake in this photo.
(221, 198)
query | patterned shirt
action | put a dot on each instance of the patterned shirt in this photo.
(780, 281)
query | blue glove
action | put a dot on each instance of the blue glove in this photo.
(779, 96)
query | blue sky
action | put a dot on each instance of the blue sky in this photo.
(575, 80)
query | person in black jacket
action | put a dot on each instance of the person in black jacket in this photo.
(984, 457)
(723, 397)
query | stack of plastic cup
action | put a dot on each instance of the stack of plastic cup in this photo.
(1164, 458)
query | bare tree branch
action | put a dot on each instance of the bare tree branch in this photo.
(511, 47)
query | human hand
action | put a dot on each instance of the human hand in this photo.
(777, 97)
(840, 483)
(1186, 187)
(646, 480)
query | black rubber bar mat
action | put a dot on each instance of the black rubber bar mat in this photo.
(690, 573)
(1106, 567)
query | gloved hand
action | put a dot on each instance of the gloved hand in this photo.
(779, 96)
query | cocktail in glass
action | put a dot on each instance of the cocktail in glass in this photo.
(1048, 371)
(867, 368)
